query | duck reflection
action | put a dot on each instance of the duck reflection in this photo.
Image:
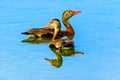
(37, 40)
(57, 62)
(65, 51)
(59, 52)
(45, 39)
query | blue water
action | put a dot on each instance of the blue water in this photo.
(97, 31)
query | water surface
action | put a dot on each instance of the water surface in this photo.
(97, 31)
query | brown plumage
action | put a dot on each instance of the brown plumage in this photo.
(39, 32)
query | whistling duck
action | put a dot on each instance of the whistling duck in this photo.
(50, 31)
(59, 42)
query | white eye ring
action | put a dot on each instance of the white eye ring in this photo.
(69, 12)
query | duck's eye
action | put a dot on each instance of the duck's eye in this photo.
(69, 12)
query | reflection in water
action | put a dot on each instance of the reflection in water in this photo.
(40, 40)
(59, 52)
(45, 39)
(64, 51)
(56, 62)
(37, 40)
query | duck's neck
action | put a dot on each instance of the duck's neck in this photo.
(68, 26)
(56, 31)
(59, 58)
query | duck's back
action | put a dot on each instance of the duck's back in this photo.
(39, 31)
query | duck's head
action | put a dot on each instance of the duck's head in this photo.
(55, 62)
(55, 23)
(69, 13)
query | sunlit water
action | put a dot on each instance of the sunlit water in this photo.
(97, 31)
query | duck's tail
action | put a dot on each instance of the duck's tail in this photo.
(26, 33)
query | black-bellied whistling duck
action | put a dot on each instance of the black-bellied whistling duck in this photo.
(59, 42)
(50, 31)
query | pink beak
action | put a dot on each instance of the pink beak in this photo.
(76, 12)
(47, 26)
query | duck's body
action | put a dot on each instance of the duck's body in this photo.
(39, 32)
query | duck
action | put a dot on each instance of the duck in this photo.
(49, 31)
(58, 43)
